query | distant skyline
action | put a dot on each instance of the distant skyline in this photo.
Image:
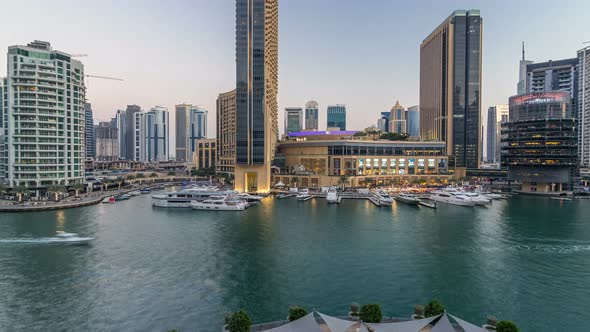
(361, 54)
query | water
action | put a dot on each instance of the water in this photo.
(525, 259)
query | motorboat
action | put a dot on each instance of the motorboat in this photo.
(303, 195)
(384, 198)
(454, 198)
(561, 198)
(332, 196)
(477, 198)
(250, 198)
(134, 193)
(62, 237)
(145, 191)
(493, 196)
(184, 197)
(407, 198)
(219, 204)
(108, 200)
(123, 197)
(284, 195)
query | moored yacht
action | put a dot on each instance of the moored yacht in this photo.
(303, 195)
(407, 198)
(250, 197)
(384, 198)
(183, 198)
(332, 196)
(454, 198)
(226, 203)
(477, 198)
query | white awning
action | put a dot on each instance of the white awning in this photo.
(306, 323)
(468, 327)
(337, 324)
(407, 326)
(443, 325)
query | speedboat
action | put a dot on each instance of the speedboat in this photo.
(303, 195)
(332, 196)
(477, 198)
(184, 197)
(454, 198)
(122, 197)
(407, 198)
(384, 198)
(134, 193)
(219, 204)
(108, 200)
(145, 191)
(283, 195)
(69, 238)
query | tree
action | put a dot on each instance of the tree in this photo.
(369, 182)
(139, 176)
(56, 190)
(120, 181)
(239, 322)
(394, 136)
(171, 173)
(295, 180)
(77, 187)
(153, 175)
(296, 312)
(343, 180)
(20, 191)
(506, 326)
(434, 308)
(371, 313)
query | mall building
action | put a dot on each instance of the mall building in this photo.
(318, 160)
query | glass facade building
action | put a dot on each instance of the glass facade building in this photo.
(256, 92)
(450, 86)
(311, 115)
(583, 107)
(293, 120)
(539, 142)
(413, 121)
(336, 117)
(89, 134)
(191, 125)
(397, 119)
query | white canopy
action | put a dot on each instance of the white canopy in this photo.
(280, 184)
(306, 323)
(407, 326)
(443, 325)
(337, 324)
(468, 327)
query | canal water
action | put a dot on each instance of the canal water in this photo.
(524, 259)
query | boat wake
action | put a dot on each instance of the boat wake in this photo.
(47, 240)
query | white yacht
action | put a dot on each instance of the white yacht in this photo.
(384, 198)
(183, 198)
(477, 198)
(454, 198)
(219, 204)
(303, 195)
(332, 196)
(407, 198)
(134, 193)
(250, 198)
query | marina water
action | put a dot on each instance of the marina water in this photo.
(524, 259)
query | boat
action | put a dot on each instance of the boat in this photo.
(407, 198)
(303, 195)
(332, 196)
(561, 198)
(69, 238)
(219, 204)
(384, 198)
(431, 205)
(491, 195)
(108, 200)
(184, 197)
(145, 191)
(123, 197)
(134, 193)
(284, 195)
(250, 198)
(453, 198)
(477, 198)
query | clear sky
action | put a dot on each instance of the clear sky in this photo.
(364, 54)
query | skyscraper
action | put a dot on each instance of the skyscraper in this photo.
(128, 132)
(583, 104)
(413, 120)
(336, 117)
(3, 106)
(311, 115)
(152, 135)
(107, 142)
(226, 132)
(559, 75)
(496, 116)
(44, 112)
(256, 92)
(293, 119)
(397, 119)
(521, 86)
(191, 125)
(121, 126)
(450, 86)
(89, 130)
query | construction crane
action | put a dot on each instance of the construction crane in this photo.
(105, 77)
(78, 55)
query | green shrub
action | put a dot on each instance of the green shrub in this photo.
(433, 308)
(506, 326)
(239, 322)
(371, 313)
(296, 312)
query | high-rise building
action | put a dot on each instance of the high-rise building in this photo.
(3, 107)
(293, 119)
(583, 105)
(205, 153)
(191, 125)
(559, 75)
(89, 130)
(521, 86)
(491, 139)
(413, 121)
(121, 126)
(539, 143)
(397, 119)
(256, 92)
(44, 117)
(382, 124)
(226, 132)
(107, 141)
(152, 135)
(311, 115)
(336, 117)
(127, 133)
(450, 86)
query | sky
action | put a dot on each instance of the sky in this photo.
(364, 54)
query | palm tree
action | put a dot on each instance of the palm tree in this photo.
(369, 182)
(56, 189)
(77, 187)
(106, 183)
(120, 181)
(2, 189)
(139, 176)
(343, 180)
(295, 180)
(20, 191)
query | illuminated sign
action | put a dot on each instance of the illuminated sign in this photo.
(540, 98)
